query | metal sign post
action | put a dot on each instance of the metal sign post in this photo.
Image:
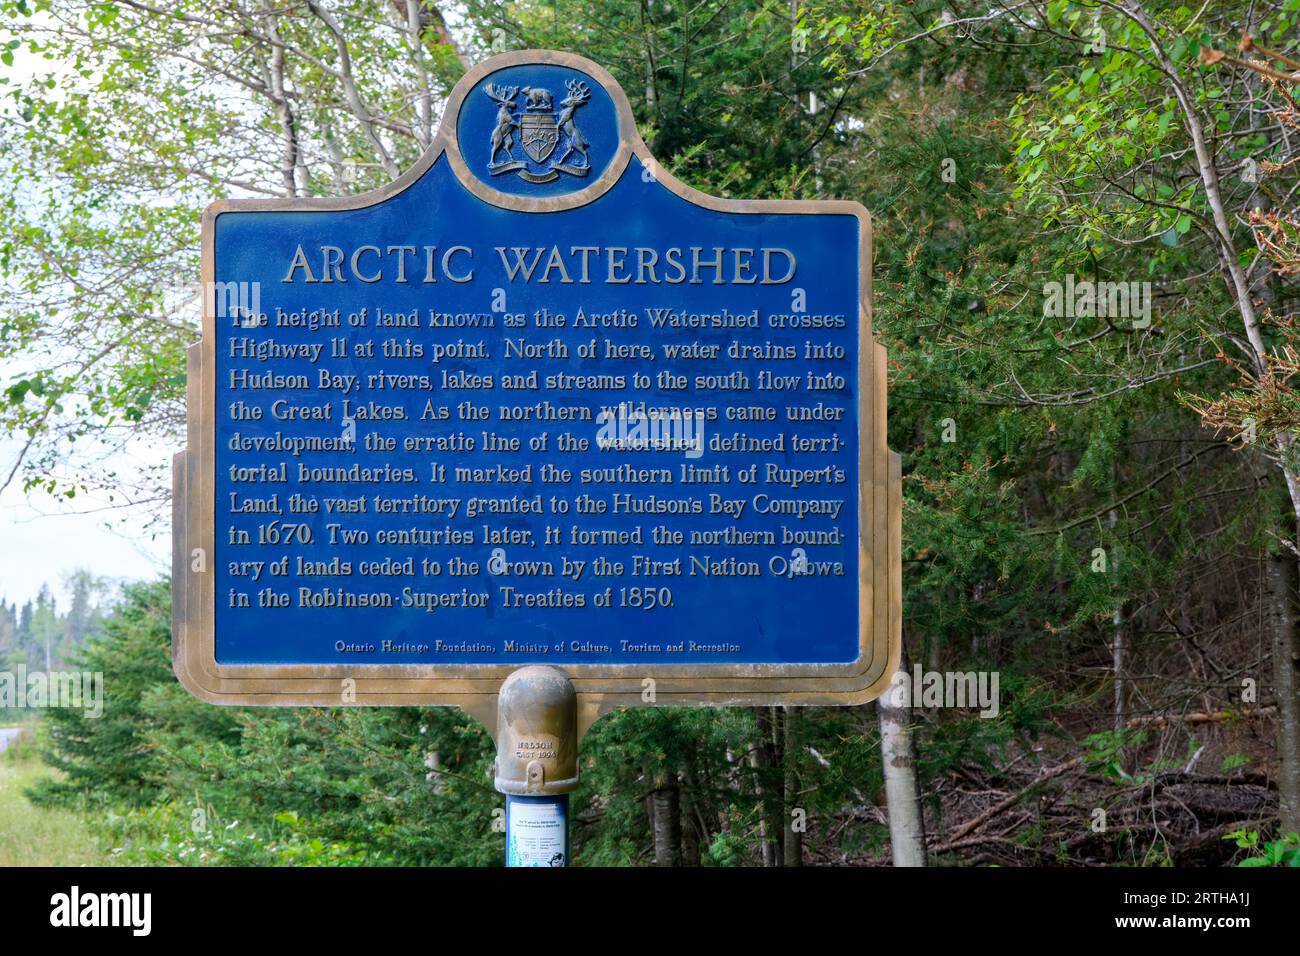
(537, 763)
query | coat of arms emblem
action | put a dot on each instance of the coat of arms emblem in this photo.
(551, 142)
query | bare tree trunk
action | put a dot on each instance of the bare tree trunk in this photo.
(698, 812)
(433, 762)
(667, 821)
(776, 806)
(1281, 620)
(898, 758)
(761, 759)
(792, 844)
(430, 26)
(1117, 666)
(693, 835)
(764, 843)
(351, 95)
(1280, 587)
(424, 95)
(274, 80)
(1117, 640)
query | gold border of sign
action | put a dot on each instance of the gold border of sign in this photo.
(473, 687)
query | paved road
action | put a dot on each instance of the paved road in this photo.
(8, 735)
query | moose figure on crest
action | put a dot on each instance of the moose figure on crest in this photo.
(503, 134)
(578, 94)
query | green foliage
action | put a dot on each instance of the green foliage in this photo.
(172, 780)
(1283, 852)
(1104, 751)
(1032, 442)
(725, 850)
(37, 836)
(1233, 762)
(301, 787)
(108, 758)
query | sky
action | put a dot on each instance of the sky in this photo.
(42, 540)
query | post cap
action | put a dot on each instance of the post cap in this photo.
(537, 733)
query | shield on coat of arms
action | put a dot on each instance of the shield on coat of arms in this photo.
(539, 135)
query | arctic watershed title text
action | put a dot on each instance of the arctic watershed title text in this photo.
(583, 265)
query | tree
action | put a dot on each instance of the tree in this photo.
(1029, 425)
(133, 118)
(83, 614)
(1001, 150)
(1147, 146)
(106, 758)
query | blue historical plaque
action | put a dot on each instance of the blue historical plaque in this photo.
(536, 402)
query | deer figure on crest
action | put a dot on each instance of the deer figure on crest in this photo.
(503, 135)
(578, 94)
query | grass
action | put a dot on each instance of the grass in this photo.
(35, 836)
